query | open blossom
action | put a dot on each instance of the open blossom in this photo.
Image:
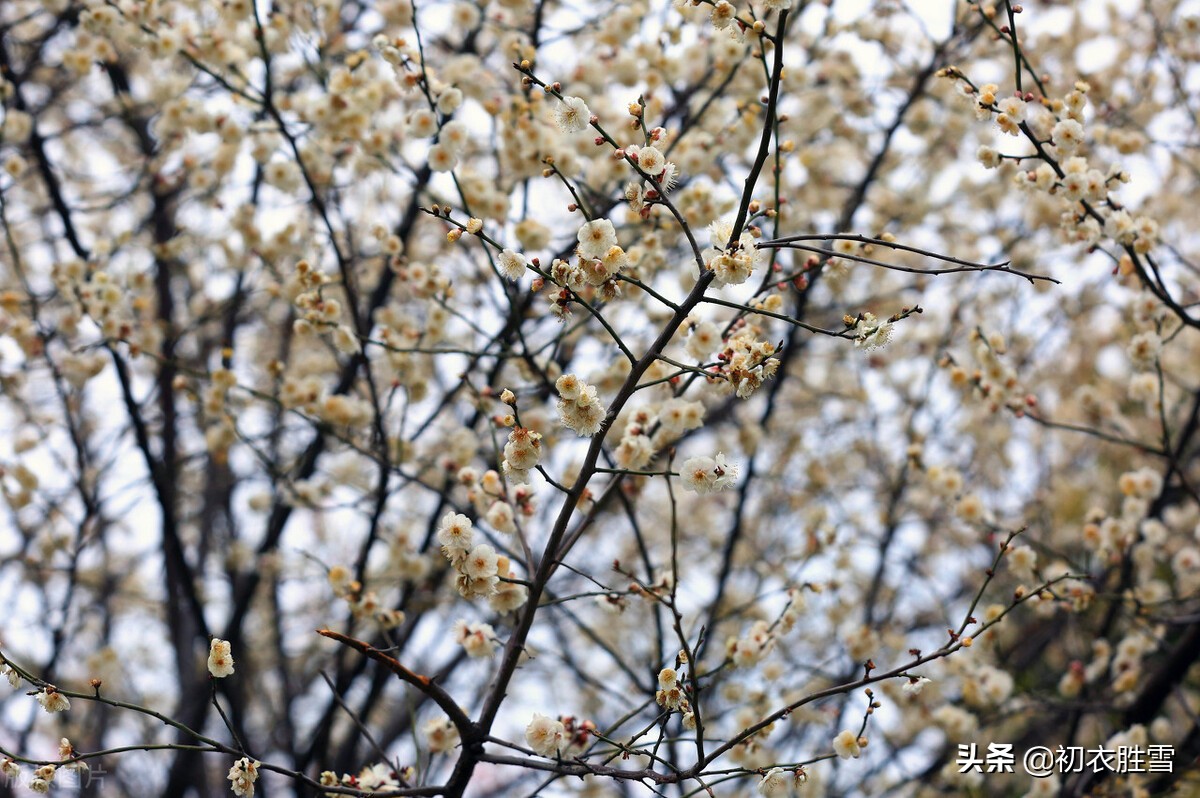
(651, 161)
(1067, 135)
(708, 474)
(440, 734)
(596, 238)
(846, 745)
(377, 777)
(723, 14)
(500, 516)
(242, 776)
(455, 533)
(1144, 348)
(220, 660)
(478, 572)
(704, 338)
(871, 333)
(512, 264)
(9, 673)
(52, 700)
(545, 736)
(442, 158)
(914, 686)
(775, 782)
(572, 115)
(481, 563)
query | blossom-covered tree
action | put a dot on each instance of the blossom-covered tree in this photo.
(565, 397)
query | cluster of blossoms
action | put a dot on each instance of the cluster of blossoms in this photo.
(731, 262)
(43, 776)
(986, 376)
(579, 407)
(708, 474)
(365, 604)
(1056, 126)
(646, 432)
(242, 776)
(379, 777)
(477, 566)
(746, 362)
(599, 260)
(521, 454)
(870, 332)
(672, 695)
(245, 303)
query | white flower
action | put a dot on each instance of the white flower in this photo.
(52, 700)
(477, 639)
(481, 563)
(572, 115)
(440, 734)
(871, 333)
(345, 340)
(377, 777)
(442, 158)
(596, 238)
(1145, 348)
(455, 533)
(449, 100)
(220, 660)
(723, 14)
(13, 677)
(846, 745)
(914, 687)
(704, 338)
(1067, 135)
(500, 515)
(707, 474)
(988, 156)
(455, 137)
(545, 735)
(512, 264)
(422, 124)
(1013, 108)
(242, 776)
(670, 176)
(651, 161)
(774, 783)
